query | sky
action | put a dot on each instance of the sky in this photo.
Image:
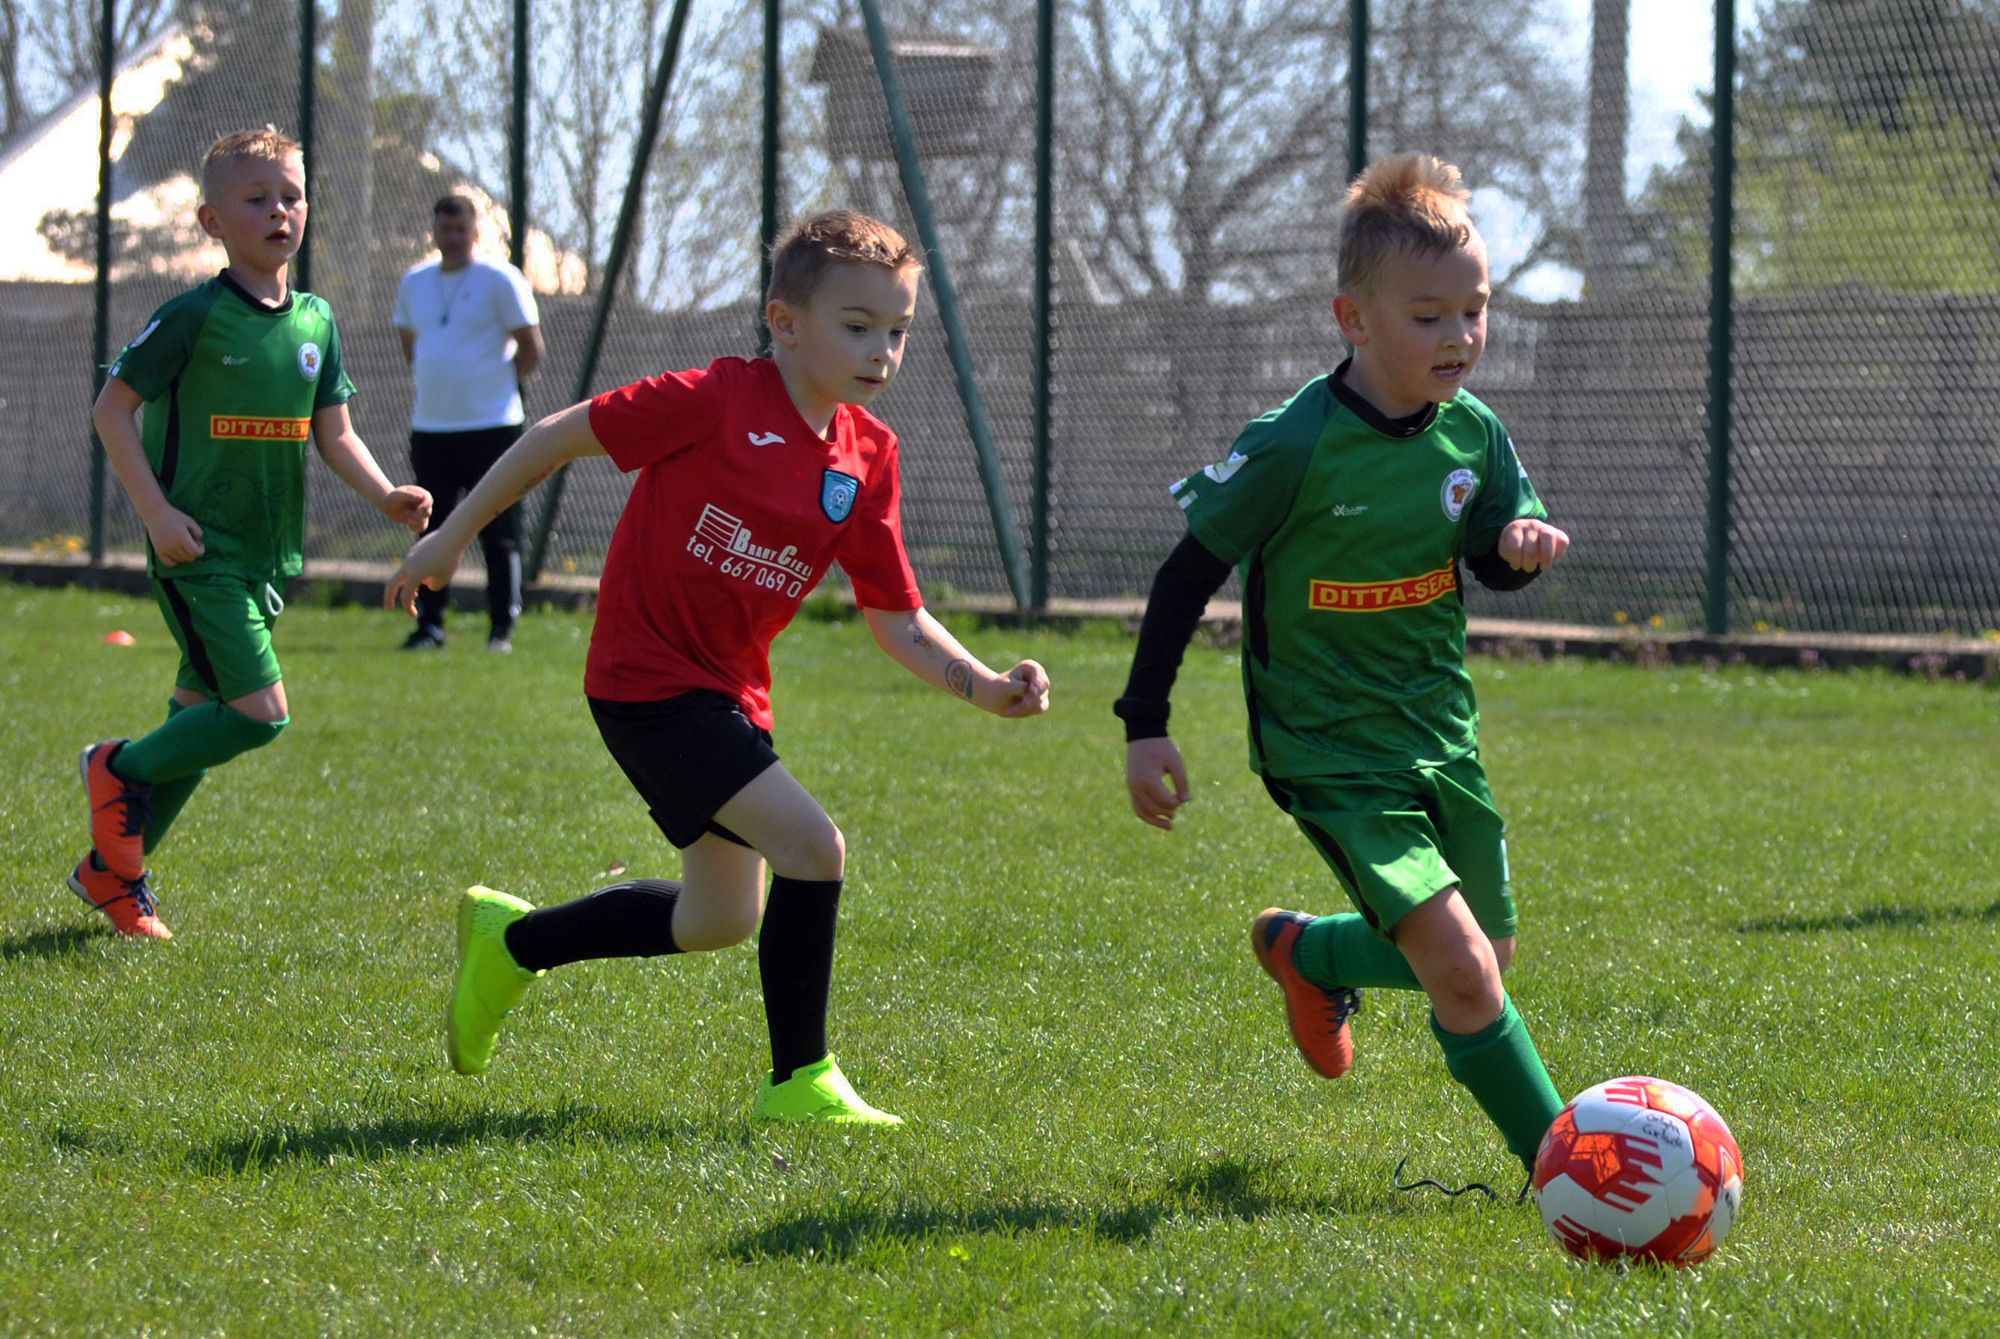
(1671, 67)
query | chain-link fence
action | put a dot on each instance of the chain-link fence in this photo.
(1194, 166)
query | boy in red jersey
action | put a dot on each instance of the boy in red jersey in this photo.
(755, 475)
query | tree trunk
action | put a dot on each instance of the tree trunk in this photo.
(344, 212)
(1607, 230)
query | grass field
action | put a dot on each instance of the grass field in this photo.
(1777, 889)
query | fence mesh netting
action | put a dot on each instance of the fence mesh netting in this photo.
(1196, 172)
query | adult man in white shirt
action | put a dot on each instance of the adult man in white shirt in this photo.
(471, 335)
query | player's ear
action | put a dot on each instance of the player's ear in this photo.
(783, 320)
(1347, 312)
(211, 222)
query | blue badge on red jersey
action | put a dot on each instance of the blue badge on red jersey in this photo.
(837, 492)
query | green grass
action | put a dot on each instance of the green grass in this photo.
(1778, 889)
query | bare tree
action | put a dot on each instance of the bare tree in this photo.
(593, 62)
(1208, 136)
(344, 166)
(49, 51)
(1486, 95)
(13, 110)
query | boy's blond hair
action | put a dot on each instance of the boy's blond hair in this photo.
(269, 145)
(1410, 203)
(804, 252)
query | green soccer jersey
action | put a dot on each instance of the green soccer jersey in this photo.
(1347, 530)
(231, 387)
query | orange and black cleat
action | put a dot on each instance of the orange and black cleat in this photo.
(119, 812)
(127, 902)
(1317, 1014)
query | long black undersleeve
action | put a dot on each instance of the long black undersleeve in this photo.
(1492, 571)
(1181, 591)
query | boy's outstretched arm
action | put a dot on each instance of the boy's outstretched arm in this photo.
(175, 535)
(543, 449)
(921, 645)
(348, 457)
(1181, 591)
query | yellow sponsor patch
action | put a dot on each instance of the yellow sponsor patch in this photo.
(253, 428)
(1373, 597)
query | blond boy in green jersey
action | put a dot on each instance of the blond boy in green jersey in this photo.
(204, 418)
(1348, 513)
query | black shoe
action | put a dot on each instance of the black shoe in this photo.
(425, 638)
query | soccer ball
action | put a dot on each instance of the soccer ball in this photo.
(1639, 1169)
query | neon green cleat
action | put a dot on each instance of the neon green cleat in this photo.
(490, 983)
(818, 1092)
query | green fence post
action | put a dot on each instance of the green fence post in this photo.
(517, 143)
(308, 97)
(947, 301)
(621, 245)
(1720, 328)
(1045, 97)
(107, 52)
(768, 227)
(1357, 87)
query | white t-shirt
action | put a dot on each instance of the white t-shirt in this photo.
(463, 362)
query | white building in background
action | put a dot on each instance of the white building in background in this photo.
(53, 166)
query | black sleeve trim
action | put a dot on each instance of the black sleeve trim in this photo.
(1181, 591)
(1493, 572)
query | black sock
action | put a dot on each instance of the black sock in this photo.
(634, 919)
(795, 963)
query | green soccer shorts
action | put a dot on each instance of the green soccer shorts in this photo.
(1397, 839)
(223, 625)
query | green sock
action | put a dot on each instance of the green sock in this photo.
(199, 737)
(169, 797)
(1343, 951)
(1502, 1070)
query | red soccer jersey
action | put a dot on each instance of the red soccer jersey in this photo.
(738, 511)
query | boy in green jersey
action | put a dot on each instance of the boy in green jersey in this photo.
(1348, 512)
(233, 377)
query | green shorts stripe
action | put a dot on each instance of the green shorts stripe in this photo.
(1328, 847)
(222, 623)
(185, 632)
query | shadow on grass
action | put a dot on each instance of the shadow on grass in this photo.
(1869, 918)
(49, 943)
(94, 1143)
(1220, 1190)
(402, 1136)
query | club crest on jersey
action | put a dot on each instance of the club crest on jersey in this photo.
(309, 361)
(1459, 486)
(837, 492)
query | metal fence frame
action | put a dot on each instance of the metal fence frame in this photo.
(1027, 574)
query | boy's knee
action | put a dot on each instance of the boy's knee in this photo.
(819, 855)
(1468, 980)
(723, 923)
(247, 732)
(829, 854)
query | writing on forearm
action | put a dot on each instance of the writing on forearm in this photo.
(958, 678)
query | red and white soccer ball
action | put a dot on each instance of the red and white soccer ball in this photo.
(1639, 1169)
